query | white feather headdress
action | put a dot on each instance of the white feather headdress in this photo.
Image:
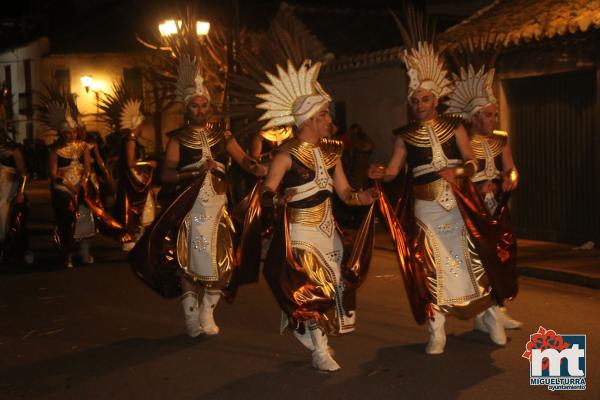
(120, 109)
(131, 117)
(190, 81)
(56, 107)
(59, 114)
(426, 70)
(293, 96)
(472, 91)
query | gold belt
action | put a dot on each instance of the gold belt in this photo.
(429, 191)
(311, 216)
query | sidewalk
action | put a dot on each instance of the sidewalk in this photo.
(543, 260)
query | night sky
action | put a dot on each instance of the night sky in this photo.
(110, 25)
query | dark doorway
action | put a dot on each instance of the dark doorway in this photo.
(552, 127)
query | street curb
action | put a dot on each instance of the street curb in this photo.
(546, 274)
(559, 276)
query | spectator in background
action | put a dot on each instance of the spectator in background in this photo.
(360, 148)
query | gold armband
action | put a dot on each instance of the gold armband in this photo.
(181, 176)
(513, 175)
(468, 169)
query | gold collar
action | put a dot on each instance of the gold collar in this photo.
(72, 151)
(331, 150)
(190, 137)
(496, 142)
(417, 134)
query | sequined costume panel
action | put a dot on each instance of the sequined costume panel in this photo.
(311, 285)
(205, 239)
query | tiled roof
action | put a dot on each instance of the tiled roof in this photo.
(365, 60)
(514, 22)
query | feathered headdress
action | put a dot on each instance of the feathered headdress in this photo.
(287, 39)
(474, 59)
(190, 81)
(55, 107)
(425, 67)
(293, 96)
(185, 69)
(472, 91)
(121, 109)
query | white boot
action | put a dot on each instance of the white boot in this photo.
(305, 339)
(207, 320)
(84, 252)
(128, 246)
(69, 261)
(491, 321)
(508, 322)
(191, 312)
(307, 342)
(437, 334)
(321, 359)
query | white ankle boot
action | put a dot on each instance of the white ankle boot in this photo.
(207, 320)
(508, 321)
(84, 252)
(321, 358)
(307, 342)
(437, 334)
(304, 338)
(491, 321)
(191, 312)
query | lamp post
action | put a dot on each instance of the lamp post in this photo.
(86, 82)
(171, 27)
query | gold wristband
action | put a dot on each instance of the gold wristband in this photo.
(469, 172)
(352, 199)
(187, 175)
(513, 175)
(23, 183)
(269, 198)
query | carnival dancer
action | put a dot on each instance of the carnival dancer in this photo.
(311, 275)
(77, 215)
(496, 176)
(100, 178)
(13, 202)
(194, 232)
(136, 204)
(447, 269)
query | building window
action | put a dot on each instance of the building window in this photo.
(62, 77)
(26, 97)
(132, 77)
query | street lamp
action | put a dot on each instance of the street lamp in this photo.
(171, 27)
(86, 81)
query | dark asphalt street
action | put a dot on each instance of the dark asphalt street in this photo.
(96, 332)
